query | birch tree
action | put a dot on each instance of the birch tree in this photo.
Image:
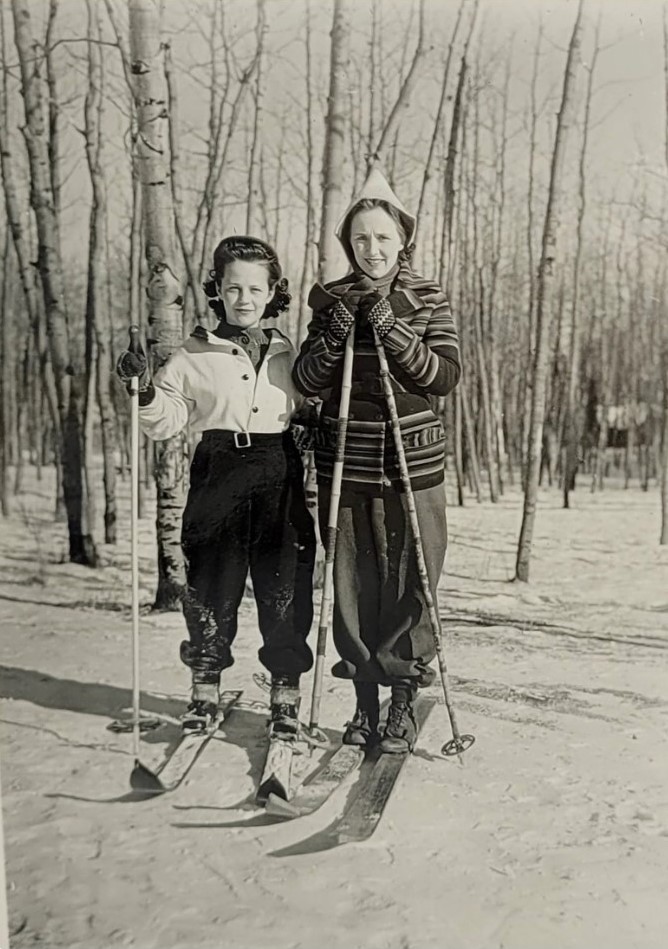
(545, 275)
(333, 161)
(426, 176)
(252, 210)
(571, 426)
(97, 313)
(380, 152)
(310, 188)
(165, 304)
(69, 379)
(663, 536)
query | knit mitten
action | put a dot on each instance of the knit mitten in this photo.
(340, 323)
(381, 318)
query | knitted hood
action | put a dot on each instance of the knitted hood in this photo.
(377, 187)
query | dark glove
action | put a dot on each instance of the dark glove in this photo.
(341, 321)
(381, 317)
(130, 365)
(303, 436)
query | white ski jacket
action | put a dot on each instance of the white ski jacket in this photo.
(210, 383)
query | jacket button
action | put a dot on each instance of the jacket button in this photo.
(255, 408)
(245, 339)
(235, 352)
(245, 377)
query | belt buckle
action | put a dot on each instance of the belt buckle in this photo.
(239, 443)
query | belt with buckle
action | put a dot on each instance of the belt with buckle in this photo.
(242, 440)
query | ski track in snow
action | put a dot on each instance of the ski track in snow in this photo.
(551, 832)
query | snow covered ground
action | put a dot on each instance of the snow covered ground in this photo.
(552, 832)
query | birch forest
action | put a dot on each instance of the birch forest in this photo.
(530, 141)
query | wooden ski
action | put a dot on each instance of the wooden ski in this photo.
(378, 777)
(177, 764)
(277, 772)
(318, 786)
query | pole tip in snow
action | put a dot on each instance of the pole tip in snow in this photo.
(457, 746)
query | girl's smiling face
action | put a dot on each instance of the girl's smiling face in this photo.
(375, 241)
(245, 292)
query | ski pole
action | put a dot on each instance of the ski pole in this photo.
(458, 743)
(332, 528)
(142, 778)
(134, 347)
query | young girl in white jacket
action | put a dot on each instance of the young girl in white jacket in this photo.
(246, 507)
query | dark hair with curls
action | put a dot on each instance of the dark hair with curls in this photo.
(366, 204)
(256, 251)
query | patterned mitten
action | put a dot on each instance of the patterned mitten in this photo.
(340, 323)
(381, 318)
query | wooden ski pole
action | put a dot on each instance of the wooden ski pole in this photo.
(332, 527)
(458, 743)
(141, 778)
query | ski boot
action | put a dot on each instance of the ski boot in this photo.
(203, 708)
(284, 705)
(362, 731)
(400, 729)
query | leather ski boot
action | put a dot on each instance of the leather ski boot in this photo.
(203, 707)
(284, 704)
(400, 729)
(363, 729)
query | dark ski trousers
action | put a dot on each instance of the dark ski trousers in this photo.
(381, 625)
(246, 509)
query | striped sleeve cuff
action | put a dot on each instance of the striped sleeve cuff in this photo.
(314, 369)
(415, 357)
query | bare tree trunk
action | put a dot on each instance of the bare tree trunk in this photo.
(545, 272)
(69, 381)
(458, 435)
(571, 426)
(175, 179)
(527, 381)
(252, 211)
(483, 379)
(54, 107)
(333, 163)
(379, 154)
(218, 163)
(426, 176)
(26, 270)
(373, 81)
(165, 316)
(449, 178)
(97, 310)
(310, 165)
(20, 375)
(663, 537)
(6, 353)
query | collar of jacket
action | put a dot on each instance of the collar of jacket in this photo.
(277, 342)
(405, 288)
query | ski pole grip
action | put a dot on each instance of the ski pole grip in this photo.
(134, 345)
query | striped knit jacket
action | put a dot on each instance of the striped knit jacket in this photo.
(423, 355)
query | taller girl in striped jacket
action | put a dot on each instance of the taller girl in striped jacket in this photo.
(381, 625)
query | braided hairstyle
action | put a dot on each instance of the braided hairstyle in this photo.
(254, 250)
(366, 204)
